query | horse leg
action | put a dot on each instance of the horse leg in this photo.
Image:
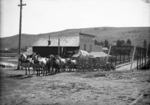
(40, 72)
(50, 69)
(33, 72)
(29, 70)
(36, 71)
(58, 69)
(44, 71)
(53, 70)
(25, 71)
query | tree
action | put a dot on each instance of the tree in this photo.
(106, 43)
(98, 43)
(128, 42)
(120, 43)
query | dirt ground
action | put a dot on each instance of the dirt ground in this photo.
(72, 88)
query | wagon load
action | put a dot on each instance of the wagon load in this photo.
(99, 54)
(82, 54)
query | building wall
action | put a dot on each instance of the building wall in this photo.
(86, 43)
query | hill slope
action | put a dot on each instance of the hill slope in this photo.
(136, 34)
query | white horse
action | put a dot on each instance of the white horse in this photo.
(62, 62)
(40, 64)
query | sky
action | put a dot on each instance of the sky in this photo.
(42, 16)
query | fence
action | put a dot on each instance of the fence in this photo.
(141, 57)
(93, 64)
(123, 54)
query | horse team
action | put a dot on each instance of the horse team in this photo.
(53, 64)
(45, 65)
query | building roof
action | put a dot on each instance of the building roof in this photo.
(71, 39)
(59, 41)
(85, 34)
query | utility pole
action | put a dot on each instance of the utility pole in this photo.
(20, 27)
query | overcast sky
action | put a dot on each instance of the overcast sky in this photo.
(41, 16)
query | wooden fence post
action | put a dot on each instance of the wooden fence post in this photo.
(116, 59)
(132, 57)
(137, 52)
(144, 56)
(140, 58)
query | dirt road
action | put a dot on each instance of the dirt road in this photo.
(91, 88)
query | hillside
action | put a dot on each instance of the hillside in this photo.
(136, 34)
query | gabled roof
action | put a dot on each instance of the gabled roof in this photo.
(85, 34)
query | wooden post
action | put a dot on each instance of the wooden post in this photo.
(124, 58)
(108, 53)
(59, 46)
(140, 58)
(132, 57)
(137, 58)
(120, 59)
(115, 59)
(129, 57)
(146, 58)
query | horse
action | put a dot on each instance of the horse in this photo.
(56, 63)
(39, 64)
(62, 62)
(50, 63)
(71, 64)
(25, 62)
